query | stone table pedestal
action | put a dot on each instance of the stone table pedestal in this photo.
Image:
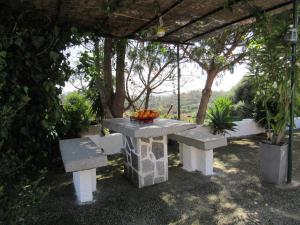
(145, 148)
(146, 160)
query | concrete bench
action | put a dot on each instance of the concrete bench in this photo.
(109, 144)
(82, 156)
(196, 148)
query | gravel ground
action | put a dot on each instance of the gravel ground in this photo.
(234, 195)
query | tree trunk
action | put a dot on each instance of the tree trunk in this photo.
(98, 79)
(206, 93)
(107, 72)
(120, 94)
(148, 92)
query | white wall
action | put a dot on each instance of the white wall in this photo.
(297, 122)
(247, 127)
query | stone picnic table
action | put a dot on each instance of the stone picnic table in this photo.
(145, 147)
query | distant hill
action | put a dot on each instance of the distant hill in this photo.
(189, 102)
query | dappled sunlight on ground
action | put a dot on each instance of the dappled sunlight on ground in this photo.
(234, 195)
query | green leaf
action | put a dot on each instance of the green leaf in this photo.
(25, 89)
(19, 42)
(74, 30)
(44, 124)
(38, 41)
(54, 56)
(56, 31)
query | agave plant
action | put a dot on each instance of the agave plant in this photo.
(219, 116)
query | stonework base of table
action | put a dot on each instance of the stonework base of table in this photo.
(145, 160)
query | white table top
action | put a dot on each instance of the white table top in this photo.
(159, 127)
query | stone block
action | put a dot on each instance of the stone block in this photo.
(123, 140)
(129, 142)
(128, 150)
(144, 151)
(125, 158)
(129, 159)
(149, 179)
(135, 161)
(126, 170)
(135, 178)
(146, 140)
(129, 172)
(158, 149)
(159, 180)
(160, 138)
(160, 168)
(151, 156)
(147, 166)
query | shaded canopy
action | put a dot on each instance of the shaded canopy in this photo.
(185, 20)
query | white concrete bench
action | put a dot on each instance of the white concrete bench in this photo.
(83, 155)
(196, 148)
(109, 144)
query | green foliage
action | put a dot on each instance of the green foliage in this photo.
(91, 64)
(269, 62)
(189, 103)
(222, 51)
(242, 96)
(239, 111)
(19, 204)
(32, 70)
(219, 117)
(149, 65)
(261, 109)
(77, 115)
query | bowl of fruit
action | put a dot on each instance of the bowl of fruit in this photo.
(145, 115)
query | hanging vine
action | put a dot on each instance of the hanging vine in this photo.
(33, 69)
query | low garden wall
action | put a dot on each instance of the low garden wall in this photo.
(245, 127)
(248, 127)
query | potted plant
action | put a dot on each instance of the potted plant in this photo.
(269, 64)
(274, 150)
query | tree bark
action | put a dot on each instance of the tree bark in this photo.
(98, 78)
(206, 93)
(107, 72)
(147, 98)
(120, 94)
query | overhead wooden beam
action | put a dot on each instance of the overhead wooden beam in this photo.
(140, 39)
(58, 9)
(145, 25)
(200, 18)
(237, 21)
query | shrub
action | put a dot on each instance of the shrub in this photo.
(76, 115)
(243, 95)
(32, 70)
(219, 116)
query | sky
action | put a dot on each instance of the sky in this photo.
(193, 76)
(224, 83)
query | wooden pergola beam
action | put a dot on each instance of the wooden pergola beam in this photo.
(236, 21)
(154, 19)
(199, 19)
